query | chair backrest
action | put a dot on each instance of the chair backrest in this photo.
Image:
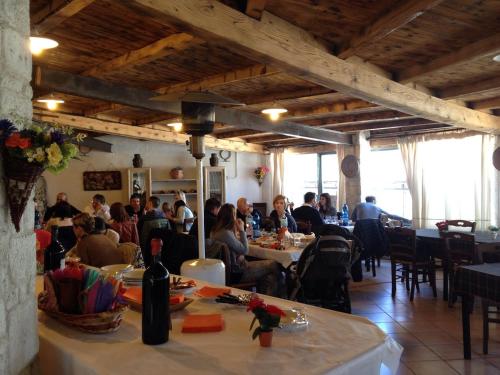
(261, 207)
(372, 235)
(402, 243)
(461, 224)
(129, 252)
(150, 225)
(304, 227)
(460, 247)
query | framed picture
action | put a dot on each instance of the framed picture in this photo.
(105, 180)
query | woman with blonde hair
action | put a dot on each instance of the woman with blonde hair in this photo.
(181, 213)
(280, 215)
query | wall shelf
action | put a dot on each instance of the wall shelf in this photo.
(176, 180)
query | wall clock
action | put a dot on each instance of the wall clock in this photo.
(496, 158)
(350, 166)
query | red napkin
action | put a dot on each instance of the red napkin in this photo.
(208, 291)
(134, 294)
(203, 323)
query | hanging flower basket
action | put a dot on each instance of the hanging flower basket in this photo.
(261, 173)
(27, 153)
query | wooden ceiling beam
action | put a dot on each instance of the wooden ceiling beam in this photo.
(160, 48)
(106, 127)
(485, 87)
(482, 48)
(390, 21)
(491, 103)
(308, 94)
(274, 40)
(327, 109)
(255, 8)
(94, 88)
(55, 13)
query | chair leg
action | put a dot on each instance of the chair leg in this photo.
(451, 293)
(414, 276)
(347, 297)
(417, 284)
(378, 262)
(393, 278)
(486, 332)
(445, 280)
(407, 276)
(374, 272)
(367, 264)
(432, 278)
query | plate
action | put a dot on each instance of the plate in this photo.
(117, 268)
(134, 275)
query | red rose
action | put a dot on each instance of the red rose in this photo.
(15, 140)
(274, 310)
(24, 143)
(254, 303)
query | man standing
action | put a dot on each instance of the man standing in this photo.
(61, 197)
(134, 209)
(369, 210)
(309, 213)
(212, 207)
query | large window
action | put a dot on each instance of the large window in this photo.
(384, 177)
(310, 172)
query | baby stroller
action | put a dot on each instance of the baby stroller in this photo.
(323, 270)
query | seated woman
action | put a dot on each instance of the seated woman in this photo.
(280, 216)
(181, 213)
(325, 206)
(62, 219)
(121, 223)
(94, 249)
(231, 231)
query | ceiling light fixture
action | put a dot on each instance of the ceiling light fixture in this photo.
(274, 113)
(38, 45)
(176, 125)
(51, 103)
(496, 58)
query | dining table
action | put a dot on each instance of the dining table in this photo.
(331, 343)
(285, 257)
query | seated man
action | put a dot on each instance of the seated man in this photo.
(242, 209)
(212, 207)
(99, 208)
(153, 218)
(134, 209)
(309, 213)
(61, 197)
(95, 250)
(369, 210)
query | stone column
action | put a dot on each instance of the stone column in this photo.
(18, 330)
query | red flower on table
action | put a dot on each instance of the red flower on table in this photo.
(271, 309)
(15, 140)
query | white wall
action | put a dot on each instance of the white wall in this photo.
(161, 157)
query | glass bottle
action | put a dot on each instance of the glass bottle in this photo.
(345, 215)
(249, 226)
(53, 257)
(155, 299)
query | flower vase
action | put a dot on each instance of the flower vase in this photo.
(266, 338)
(20, 178)
(137, 161)
(494, 235)
(260, 180)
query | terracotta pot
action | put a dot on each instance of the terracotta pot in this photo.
(176, 174)
(266, 339)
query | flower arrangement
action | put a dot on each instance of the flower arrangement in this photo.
(493, 228)
(268, 316)
(26, 153)
(260, 173)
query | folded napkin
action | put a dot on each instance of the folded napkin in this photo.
(134, 295)
(202, 323)
(208, 291)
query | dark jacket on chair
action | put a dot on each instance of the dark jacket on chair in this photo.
(372, 235)
(309, 214)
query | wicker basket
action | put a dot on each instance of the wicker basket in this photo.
(108, 321)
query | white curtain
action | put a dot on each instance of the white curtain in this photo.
(450, 178)
(341, 196)
(278, 171)
(364, 157)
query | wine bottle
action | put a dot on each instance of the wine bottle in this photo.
(53, 257)
(155, 299)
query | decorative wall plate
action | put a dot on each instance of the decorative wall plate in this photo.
(350, 166)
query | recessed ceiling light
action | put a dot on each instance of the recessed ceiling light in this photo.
(51, 103)
(496, 58)
(274, 113)
(38, 45)
(176, 125)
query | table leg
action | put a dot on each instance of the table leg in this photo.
(466, 326)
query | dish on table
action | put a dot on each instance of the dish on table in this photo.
(133, 296)
(117, 268)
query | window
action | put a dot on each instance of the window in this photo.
(384, 177)
(318, 173)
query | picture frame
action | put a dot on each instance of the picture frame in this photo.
(102, 180)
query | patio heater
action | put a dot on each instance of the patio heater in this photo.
(198, 120)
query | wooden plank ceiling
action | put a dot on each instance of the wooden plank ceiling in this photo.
(436, 48)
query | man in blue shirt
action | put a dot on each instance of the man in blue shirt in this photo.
(369, 210)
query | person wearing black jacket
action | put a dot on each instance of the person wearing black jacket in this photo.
(308, 213)
(212, 207)
(61, 197)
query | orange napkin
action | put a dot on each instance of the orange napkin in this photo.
(208, 291)
(134, 294)
(203, 323)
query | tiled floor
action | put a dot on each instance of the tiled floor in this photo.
(429, 331)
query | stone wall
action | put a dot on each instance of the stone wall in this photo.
(18, 332)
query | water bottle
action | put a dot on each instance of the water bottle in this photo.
(345, 215)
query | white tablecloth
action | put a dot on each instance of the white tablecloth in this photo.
(334, 343)
(284, 257)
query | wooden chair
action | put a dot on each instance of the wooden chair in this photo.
(304, 227)
(460, 251)
(491, 314)
(461, 224)
(403, 252)
(225, 256)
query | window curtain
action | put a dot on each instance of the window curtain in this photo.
(364, 156)
(341, 195)
(450, 177)
(277, 171)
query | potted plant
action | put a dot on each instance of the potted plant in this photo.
(27, 152)
(268, 316)
(494, 231)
